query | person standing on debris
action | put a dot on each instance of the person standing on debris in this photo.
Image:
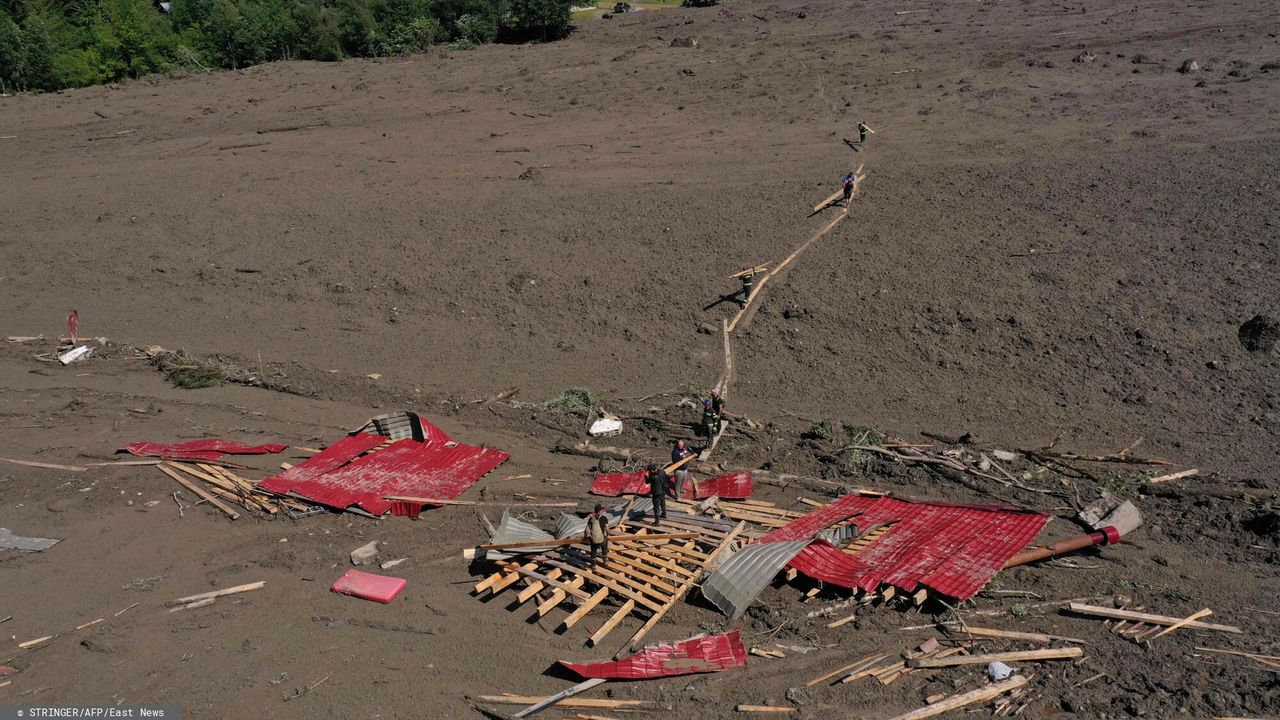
(678, 453)
(659, 489)
(847, 184)
(597, 533)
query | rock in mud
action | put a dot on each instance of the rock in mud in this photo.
(1260, 334)
(1188, 66)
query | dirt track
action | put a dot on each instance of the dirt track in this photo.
(551, 216)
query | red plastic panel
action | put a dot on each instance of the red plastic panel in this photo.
(731, 486)
(954, 549)
(210, 449)
(434, 469)
(379, 588)
(712, 653)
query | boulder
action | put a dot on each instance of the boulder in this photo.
(1260, 334)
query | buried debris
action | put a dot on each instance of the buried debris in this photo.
(9, 541)
(705, 654)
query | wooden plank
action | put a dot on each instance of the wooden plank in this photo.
(985, 658)
(553, 583)
(200, 492)
(611, 623)
(537, 585)
(842, 621)
(486, 583)
(764, 709)
(218, 593)
(871, 659)
(50, 466)
(653, 621)
(563, 694)
(578, 540)
(1115, 614)
(989, 692)
(1183, 623)
(557, 597)
(585, 608)
(511, 578)
(510, 699)
(994, 633)
(632, 588)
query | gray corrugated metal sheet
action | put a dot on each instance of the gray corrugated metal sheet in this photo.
(840, 536)
(29, 544)
(736, 583)
(511, 530)
(570, 525)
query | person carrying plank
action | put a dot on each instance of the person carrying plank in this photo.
(847, 184)
(596, 532)
(748, 285)
(712, 414)
(862, 132)
(659, 489)
(678, 453)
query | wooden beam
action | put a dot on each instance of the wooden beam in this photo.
(994, 690)
(545, 580)
(557, 596)
(200, 492)
(985, 658)
(994, 633)
(867, 661)
(577, 540)
(764, 709)
(1115, 614)
(218, 593)
(50, 466)
(585, 608)
(611, 623)
(1182, 623)
(566, 693)
(537, 585)
(509, 699)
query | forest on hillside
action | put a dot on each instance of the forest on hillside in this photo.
(55, 44)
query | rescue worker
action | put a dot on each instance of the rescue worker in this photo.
(748, 285)
(596, 532)
(847, 183)
(710, 421)
(862, 132)
(659, 489)
(678, 453)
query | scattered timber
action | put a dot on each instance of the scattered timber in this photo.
(563, 694)
(1012, 635)
(577, 540)
(49, 466)
(1116, 614)
(985, 658)
(994, 690)
(217, 593)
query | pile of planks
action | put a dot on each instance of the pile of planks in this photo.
(645, 576)
(222, 488)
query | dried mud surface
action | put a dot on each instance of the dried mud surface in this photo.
(1058, 236)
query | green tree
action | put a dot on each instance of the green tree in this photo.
(536, 20)
(13, 53)
(133, 38)
(39, 52)
(358, 28)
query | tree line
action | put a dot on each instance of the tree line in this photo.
(55, 44)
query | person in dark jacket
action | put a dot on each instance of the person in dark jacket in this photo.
(847, 184)
(659, 488)
(596, 532)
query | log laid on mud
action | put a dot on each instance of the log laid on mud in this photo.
(1116, 614)
(985, 658)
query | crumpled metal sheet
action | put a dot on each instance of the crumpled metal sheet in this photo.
(571, 525)
(403, 425)
(9, 541)
(437, 468)
(512, 530)
(953, 549)
(706, 654)
(209, 449)
(736, 583)
(730, 486)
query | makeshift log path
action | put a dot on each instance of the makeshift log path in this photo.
(748, 310)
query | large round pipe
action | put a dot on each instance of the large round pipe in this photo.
(1105, 536)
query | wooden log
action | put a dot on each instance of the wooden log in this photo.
(764, 709)
(994, 633)
(1175, 476)
(994, 690)
(218, 593)
(563, 694)
(200, 492)
(867, 661)
(536, 586)
(1148, 618)
(197, 604)
(577, 540)
(985, 658)
(33, 643)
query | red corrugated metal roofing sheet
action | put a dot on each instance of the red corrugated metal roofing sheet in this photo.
(331, 458)
(210, 449)
(954, 549)
(435, 469)
(731, 486)
(697, 655)
(379, 588)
